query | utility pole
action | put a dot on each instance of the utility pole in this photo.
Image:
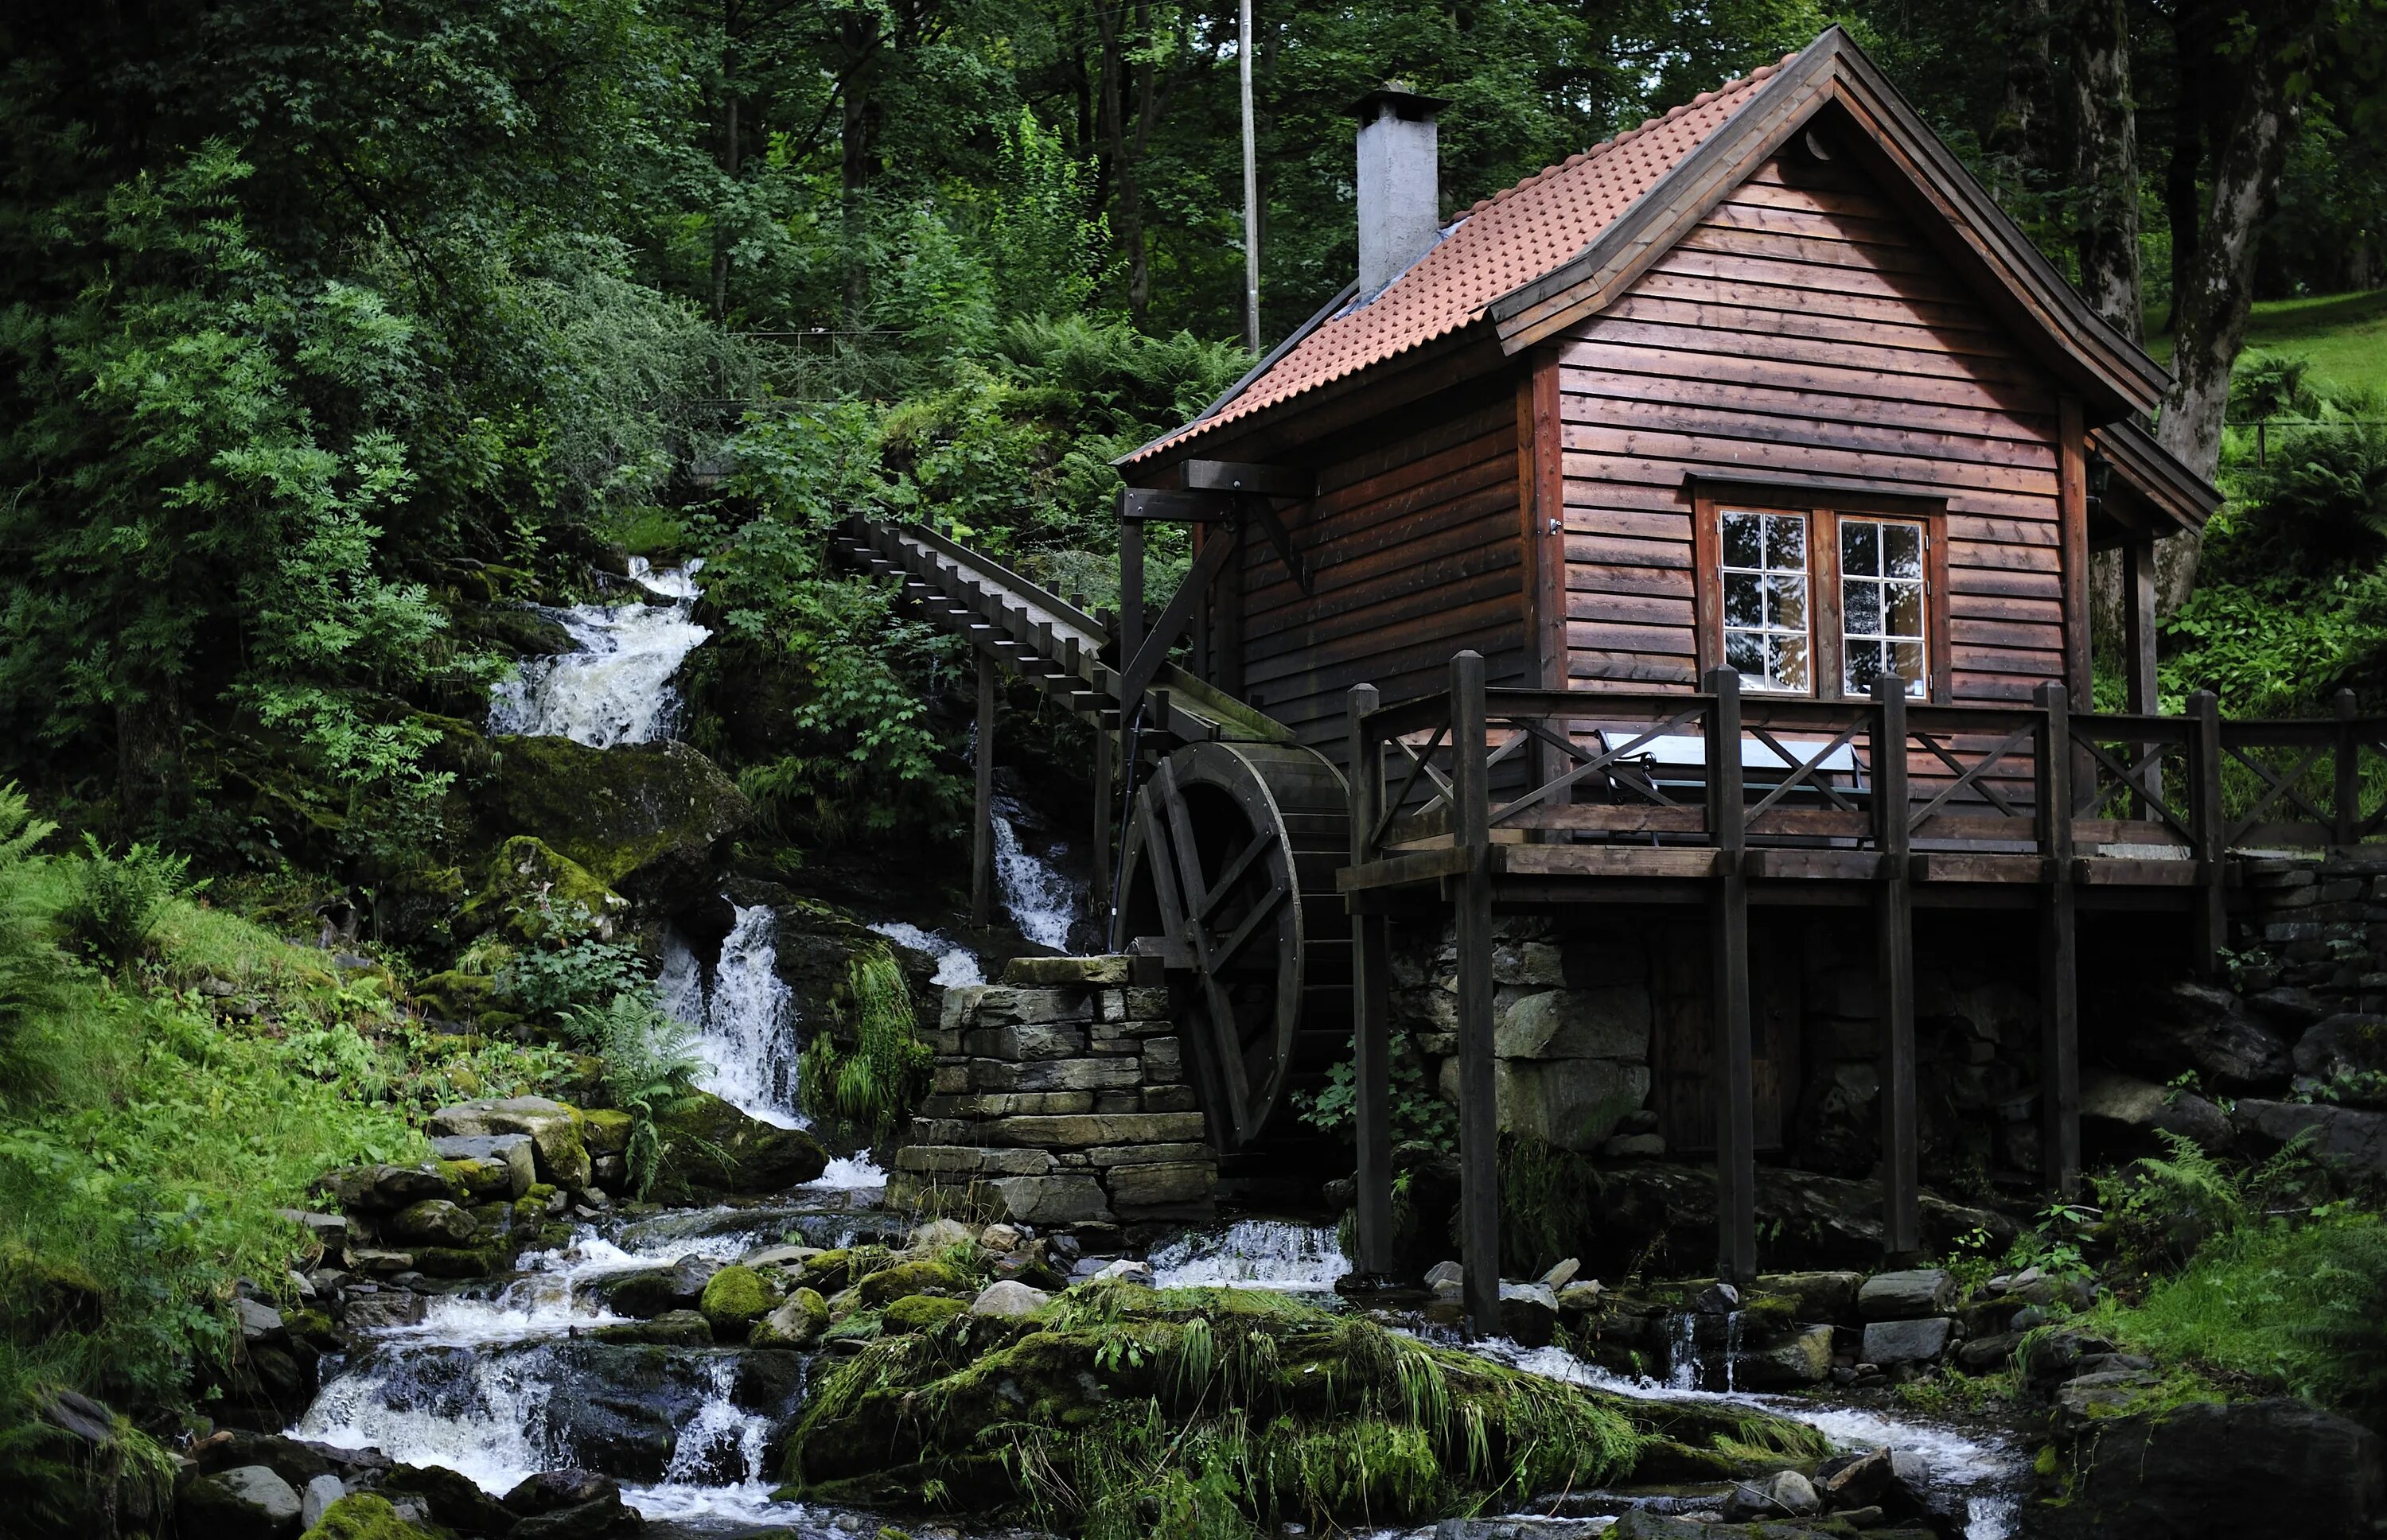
(1250, 196)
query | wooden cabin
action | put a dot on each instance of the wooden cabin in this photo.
(1759, 419)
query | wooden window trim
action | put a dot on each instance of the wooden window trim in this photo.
(1824, 507)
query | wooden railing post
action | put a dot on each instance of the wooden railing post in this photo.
(2206, 816)
(1479, 1114)
(983, 826)
(1901, 1181)
(1736, 1072)
(2347, 813)
(1370, 1004)
(2059, 958)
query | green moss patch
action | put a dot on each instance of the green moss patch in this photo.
(1123, 1411)
(918, 1312)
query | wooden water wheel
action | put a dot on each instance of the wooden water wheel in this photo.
(1229, 868)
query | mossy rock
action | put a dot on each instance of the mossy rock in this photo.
(911, 1278)
(609, 1131)
(830, 1270)
(711, 1148)
(364, 1516)
(1118, 1396)
(918, 1312)
(529, 888)
(798, 1322)
(641, 818)
(479, 1180)
(459, 1261)
(459, 997)
(734, 1297)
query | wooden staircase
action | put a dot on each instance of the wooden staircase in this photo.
(1068, 652)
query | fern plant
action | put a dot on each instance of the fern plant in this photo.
(118, 900)
(651, 1066)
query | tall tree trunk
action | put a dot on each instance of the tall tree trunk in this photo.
(2250, 148)
(730, 161)
(151, 785)
(858, 136)
(2021, 130)
(1127, 192)
(2106, 164)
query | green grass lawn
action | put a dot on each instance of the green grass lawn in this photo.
(2343, 335)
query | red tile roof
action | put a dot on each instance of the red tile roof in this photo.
(1508, 240)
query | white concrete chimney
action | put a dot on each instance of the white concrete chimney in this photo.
(1400, 208)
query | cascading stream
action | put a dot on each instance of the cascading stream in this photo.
(615, 687)
(1042, 901)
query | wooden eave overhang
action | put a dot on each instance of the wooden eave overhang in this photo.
(2151, 478)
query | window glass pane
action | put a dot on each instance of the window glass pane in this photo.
(1744, 602)
(1861, 666)
(1744, 540)
(1902, 550)
(1744, 653)
(1786, 542)
(1905, 610)
(1906, 662)
(1789, 656)
(1858, 549)
(1861, 608)
(1786, 603)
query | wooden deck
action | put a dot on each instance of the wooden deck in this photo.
(1478, 800)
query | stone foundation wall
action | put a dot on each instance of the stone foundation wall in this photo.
(1586, 1011)
(1059, 1097)
(2311, 940)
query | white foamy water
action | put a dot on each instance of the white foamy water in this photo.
(1984, 1472)
(616, 686)
(848, 1173)
(955, 963)
(1257, 1254)
(1043, 902)
(747, 1038)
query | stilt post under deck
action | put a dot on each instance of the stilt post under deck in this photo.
(1902, 1213)
(2139, 655)
(2059, 956)
(1735, 1074)
(1105, 822)
(982, 824)
(1479, 1114)
(1371, 1007)
(2206, 816)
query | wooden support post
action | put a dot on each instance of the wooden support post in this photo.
(2211, 841)
(1902, 1181)
(2139, 652)
(2346, 815)
(1371, 1042)
(1479, 1116)
(983, 826)
(1104, 821)
(1735, 1074)
(1129, 629)
(2059, 953)
(1198, 657)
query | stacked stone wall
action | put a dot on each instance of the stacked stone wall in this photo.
(2310, 936)
(1059, 1096)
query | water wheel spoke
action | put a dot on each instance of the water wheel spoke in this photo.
(1261, 843)
(1225, 951)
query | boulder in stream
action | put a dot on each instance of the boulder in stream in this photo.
(642, 819)
(247, 1502)
(1362, 1423)
(709, 1147)
(557, 1132)
(2208, 1472)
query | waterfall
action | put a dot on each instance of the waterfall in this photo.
(746, 1036)
(955, 963)
(1043, 902)
(1683, 1351)
(1267, 1253)
(616, 686)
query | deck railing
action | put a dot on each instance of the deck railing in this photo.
(1884, 774)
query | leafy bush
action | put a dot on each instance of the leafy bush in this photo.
(876, 1085)
(649, 1067)
(118, 900)
(30, 964)
(573, 969)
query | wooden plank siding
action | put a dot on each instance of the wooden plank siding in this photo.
(1806, 329)
(1414, 546)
